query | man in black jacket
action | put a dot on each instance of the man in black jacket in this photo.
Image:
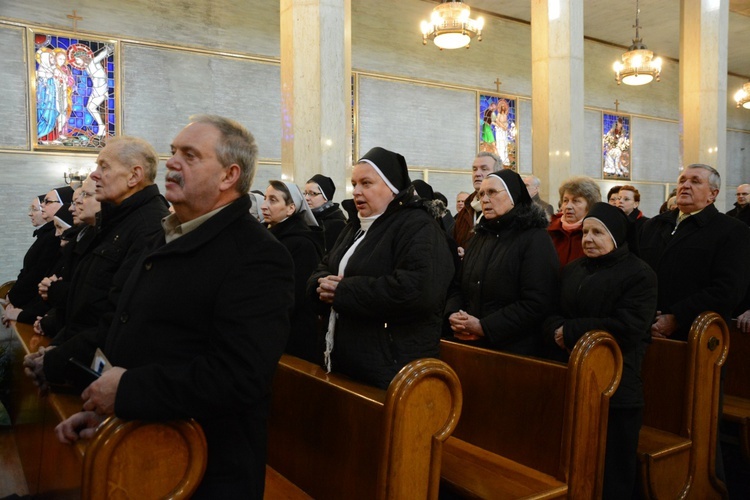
(204, 316)
(698, 253)
(741, 208)
(130, 215)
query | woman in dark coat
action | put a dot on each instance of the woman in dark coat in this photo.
(611, 289)
(577, 196)
(509, 279)
(386, 278)
(318, 193)
(290, 220)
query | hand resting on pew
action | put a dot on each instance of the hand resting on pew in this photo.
(33, 366)
(81, 425)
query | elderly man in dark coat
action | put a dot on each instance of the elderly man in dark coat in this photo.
(131, 213)
(195, 335)
(698, 253)
(386, 278)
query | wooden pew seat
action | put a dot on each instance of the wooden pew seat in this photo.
(333, 437)
(531, 428)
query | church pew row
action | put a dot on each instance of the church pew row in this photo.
(531, 428)
(677, 445)
(332, 437)
(737, 386)
(124, 459)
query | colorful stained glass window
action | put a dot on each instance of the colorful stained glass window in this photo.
(74, 91)
(616, 148)
(498, 132)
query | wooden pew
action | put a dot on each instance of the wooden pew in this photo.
(531, 428)
(124, 459)
(333, 437)
(737, 386)
(677, 445)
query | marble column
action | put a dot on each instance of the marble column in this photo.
(316, 93)
(556, 92)
(703, 85)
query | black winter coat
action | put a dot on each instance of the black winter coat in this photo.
(40, 258)
(390, 301)
(332, 220)
(701, 266)
(509, 280)
(306, 247)
(200, 326)
(123, 232)
(740, 213)
(615, 293)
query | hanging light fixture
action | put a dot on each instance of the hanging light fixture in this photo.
(742, 96)
(638, 66)
(451, 26)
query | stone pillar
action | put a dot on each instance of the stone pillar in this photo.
(556, 92)
(703, 84)
(316, 90)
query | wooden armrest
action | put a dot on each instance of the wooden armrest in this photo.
(736, 409)
(277, 487)
(658, 443)
(476, 472)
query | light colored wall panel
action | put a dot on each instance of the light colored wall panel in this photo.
(524, 126)
(655, 150)
(249, 26)
(592, 148)
(163, 87)
(450, 184)
(738, 160)
(14, 82)
(429, 126)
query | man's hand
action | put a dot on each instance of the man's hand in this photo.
(10, 314)
(664, 325)
(81, 425)
(33, 366)
(99, 397)
(45, 284)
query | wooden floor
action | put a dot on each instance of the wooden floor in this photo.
(11, 474)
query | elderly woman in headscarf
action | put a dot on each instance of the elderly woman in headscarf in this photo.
(577, 196)
(509, 279)
(386, 278)
(610, 289)
(290, 220)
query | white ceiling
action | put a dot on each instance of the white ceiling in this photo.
(612, 22)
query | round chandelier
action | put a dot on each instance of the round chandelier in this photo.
(638, 66)
(451, 27)
(742, 96)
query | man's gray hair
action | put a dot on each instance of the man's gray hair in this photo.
(136, 151)
(498, 162)
(534, 180)
(714, 179)
(237, 145)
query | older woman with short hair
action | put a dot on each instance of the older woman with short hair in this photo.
(577, 196)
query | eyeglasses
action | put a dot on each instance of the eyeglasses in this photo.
(311, 194)
(49, 202)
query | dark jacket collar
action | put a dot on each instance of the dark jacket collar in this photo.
(111, 214)
(44, 229)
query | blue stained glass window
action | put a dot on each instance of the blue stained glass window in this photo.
(497, 128)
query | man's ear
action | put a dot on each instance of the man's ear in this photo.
(714, 194)
(230, 177)
(136, 175)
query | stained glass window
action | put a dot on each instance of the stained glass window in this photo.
(498, 131)
(73, 91)
(616, 150)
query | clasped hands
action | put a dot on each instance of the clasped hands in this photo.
(465, 326)
(327, 287)
(664, 325)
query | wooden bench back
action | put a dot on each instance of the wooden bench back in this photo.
(337, 438)
(737, 372)
(124, 459)
(545, 415)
